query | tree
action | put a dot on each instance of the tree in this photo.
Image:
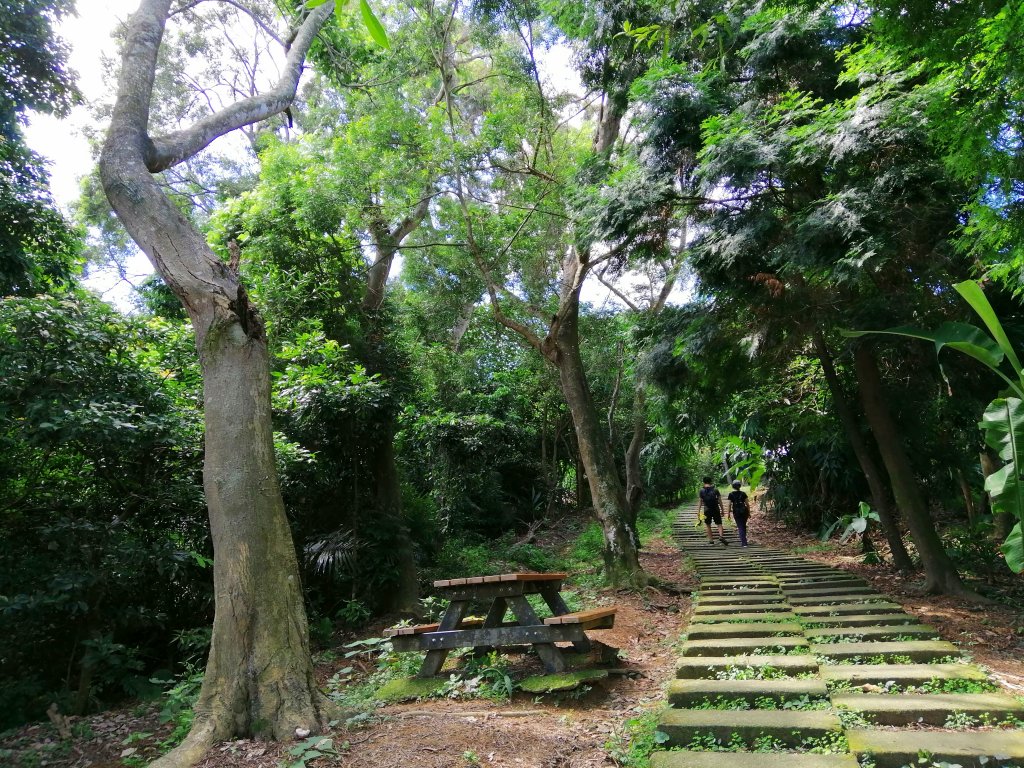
(259, 676)
(38, 249)
(514, 164)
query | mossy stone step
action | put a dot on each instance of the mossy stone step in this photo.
(841, 610)
(718, 620)
(815, 591)
(742, 645)
(708, 667)
(915, 650)
(862, 620)
(789, 727)
(927, 708)
(916, 631)
(748, 596)
(724, 609)
(894, 749)
(831, 597)
(690, 693)
(901, 674)
(687, 759)
(707, 631)
(720, 582)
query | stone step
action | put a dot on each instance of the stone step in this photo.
(743, 581)
(725, 609)
(831, 597)
(742, 645)
(815, 590)
(707, 667)
(860, 620)
(926, 708)
(840, 610)
(894, 749)
(916, 631)
(739, 595)
(707, 631)
(692, 693)
(900, 674)
(748, 596)
(916, 650)
(789, 727)
(719, 619)
(686, 759)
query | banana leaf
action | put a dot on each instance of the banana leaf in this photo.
(1003, 427)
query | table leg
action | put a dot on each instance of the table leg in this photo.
(494, 616)
(559, 608)
(548, 652)
(452, 618)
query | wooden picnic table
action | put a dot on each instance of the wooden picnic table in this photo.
(501, 593)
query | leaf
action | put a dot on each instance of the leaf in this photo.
(962, 337)
(1013, 548)
(373, 25)
(973, 295)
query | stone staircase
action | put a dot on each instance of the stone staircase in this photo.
(792, 664)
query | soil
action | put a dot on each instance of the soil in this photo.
(554, 731)
(568, 730)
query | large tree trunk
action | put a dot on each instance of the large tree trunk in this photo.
(259, 676)
(873, 475)
(940, 574)
(389, 506)
(622, 566)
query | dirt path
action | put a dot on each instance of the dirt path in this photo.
(790, 662)
(547, 732)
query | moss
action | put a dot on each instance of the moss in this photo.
(409, 688)
(562, 682)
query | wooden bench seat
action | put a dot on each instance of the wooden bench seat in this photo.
(420, 629)
(597, 618)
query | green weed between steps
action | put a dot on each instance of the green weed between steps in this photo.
(935, 685)
(744, 672)
(831, 743)
(631, 745)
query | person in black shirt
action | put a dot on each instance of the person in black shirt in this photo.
(739, 506)
(711, 501)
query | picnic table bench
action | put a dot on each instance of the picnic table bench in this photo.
(501, 593)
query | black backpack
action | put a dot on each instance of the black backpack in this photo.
(710, 497)
(739, 505)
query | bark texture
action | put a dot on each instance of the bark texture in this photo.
(940, 574)
(562, 348)
(259, 677)
(872, 473)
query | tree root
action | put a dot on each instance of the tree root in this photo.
(199, 741)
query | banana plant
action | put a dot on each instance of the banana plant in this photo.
(1003, 420)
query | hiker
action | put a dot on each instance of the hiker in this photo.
(711, 500)
(739, 508)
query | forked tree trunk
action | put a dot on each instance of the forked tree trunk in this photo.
(940, 574)
(872, 474)
(259, 676)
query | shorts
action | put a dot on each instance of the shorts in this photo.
(712, 516)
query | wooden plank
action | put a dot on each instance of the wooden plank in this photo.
(581, 617)
(420, 629)
(559, 608)
(514, 634)
(503, 577)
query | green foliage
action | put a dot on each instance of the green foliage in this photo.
(104, 528)
(1003, 420)
(633, 744)
(852, 524)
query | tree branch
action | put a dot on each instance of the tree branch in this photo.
(168, 151)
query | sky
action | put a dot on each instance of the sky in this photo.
(63, 141)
